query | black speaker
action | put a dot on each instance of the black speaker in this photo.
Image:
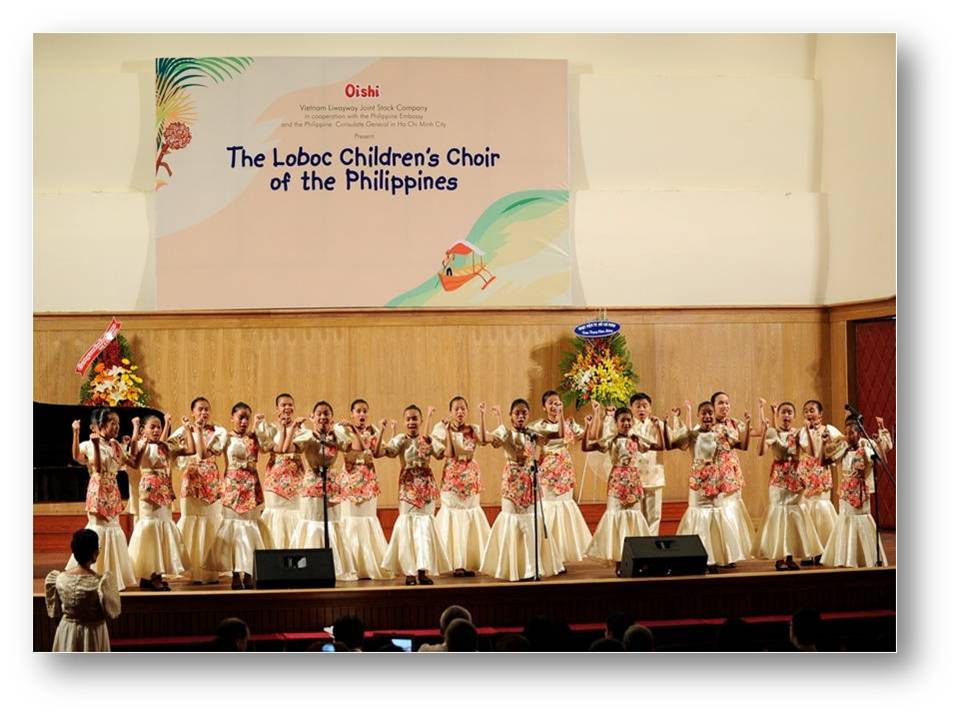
(663, 555)
(308, 568)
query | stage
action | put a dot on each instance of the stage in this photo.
(586, 594)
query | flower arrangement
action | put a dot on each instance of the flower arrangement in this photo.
(598, 369)
(113, 379)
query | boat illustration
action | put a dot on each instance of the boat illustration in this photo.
(455, 271)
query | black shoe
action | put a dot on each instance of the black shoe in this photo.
(712, 569)
(410, 580)
(807, 562)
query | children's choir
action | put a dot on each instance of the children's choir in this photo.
(227, 516)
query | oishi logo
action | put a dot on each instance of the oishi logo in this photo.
(352, 90)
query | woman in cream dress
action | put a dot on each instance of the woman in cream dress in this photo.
(156, 546)
(623, 516)
(509, 553)
(722, 536)
(82, 599)
(284, 475)
(732, 435)
(241, 531)
(814, 474)
(461, 521)
(201, 488)
(787, 530)
(416, 548)
(104, 457)
(320, 448)
(555, 475)
(359, 490)
(853, 542)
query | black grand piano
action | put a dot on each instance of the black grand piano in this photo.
(56, 477)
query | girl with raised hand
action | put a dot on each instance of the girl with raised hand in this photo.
(156, 546)
(461, 522)
(509, 553)
(320, 449)
(623, 516)
(201, 487)
(104, 456)
(241, 531)
(787, 530)
(556, 434)
(853, 541)
(815, 474)
(284, 475)
(359, 490)
(732, 436)
(416, 548)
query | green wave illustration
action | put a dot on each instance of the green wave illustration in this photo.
(491, 232)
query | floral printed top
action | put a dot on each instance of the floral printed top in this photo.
(784, 470)
(319, 449)
(651, 472)
(243, 451)
(214, 436)
(857, 466)
(112, 458)
(465, 442)
(622, 450)
(414, 451)
(548, 432)
(702, 445)
(353, 457)
(518, 447)
(155, 483)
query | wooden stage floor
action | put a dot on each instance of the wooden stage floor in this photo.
(587, 593)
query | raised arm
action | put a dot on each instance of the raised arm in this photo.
(588, 443)
(378, 441)
(165, 434)
(744, 438)
(482, 408)
(189, 446)
(494, 439)
(75, 447)
(764, 426)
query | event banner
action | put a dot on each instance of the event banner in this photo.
(314, 182)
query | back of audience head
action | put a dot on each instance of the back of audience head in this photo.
(454, 612)
(349, 630)
(460, 636)
(606, 644)
(805, 630)
(547, 635)
(733, 636)
(231, 635)
(638, 638)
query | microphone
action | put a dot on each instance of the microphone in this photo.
(852, 409)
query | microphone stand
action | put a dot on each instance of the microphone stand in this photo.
(536, 489)
(323, 477)
(876, 458)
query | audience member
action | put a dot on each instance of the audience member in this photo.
(512, 642)
(460, 636)
(617, 624)
(231, 635)
(733, 636)
(349, 630)
(638, 638)
(547, 635)
(805, 630)
(454, 612)
(606, 644)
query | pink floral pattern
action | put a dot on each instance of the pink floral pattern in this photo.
(625, 484)
(517, 484)
(730, 479)
(462, 477)
(242, 490)
(285, 475)
(156, 487)
(103, 495)
(201, 480)
(705, 479)
(556, 471)
(784, 472)
(853, 489)
(815, 476)
(417, 486)
(313, 485)
(358, 484)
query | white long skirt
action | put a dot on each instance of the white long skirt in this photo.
(616, 524)
(463, 528)
(822, 513)
(415, 544)
(114, 555)
(281, 517)
(853, 542)
(238, 536)
(309, 533)
(198, 525)
(365, 538)
(651, 503)
(719, 529)
(509, 553)
(75, 636)
(787, 528)
(566, 525)
(156, 545)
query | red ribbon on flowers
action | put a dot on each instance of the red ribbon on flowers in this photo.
(109, 334)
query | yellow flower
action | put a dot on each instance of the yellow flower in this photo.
(125, 361)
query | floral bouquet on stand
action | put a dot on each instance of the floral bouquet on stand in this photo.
(597, 369)
(112, 379)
